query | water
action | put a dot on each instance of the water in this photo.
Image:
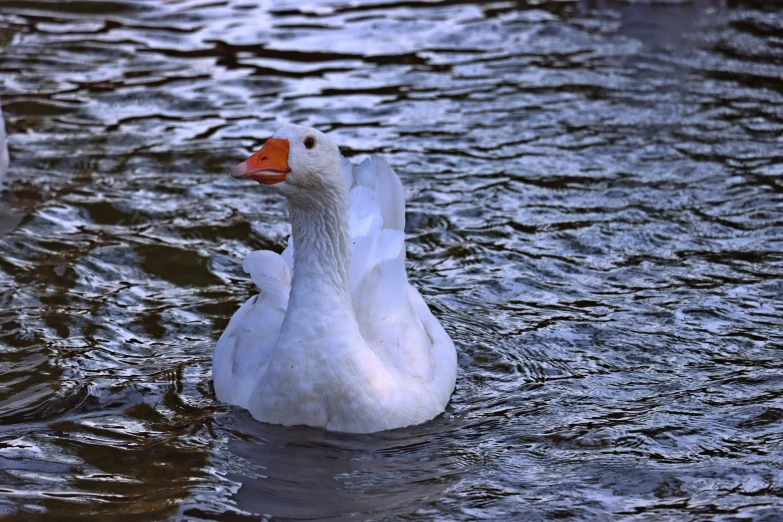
(595, 213)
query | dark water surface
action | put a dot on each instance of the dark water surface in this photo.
(595, 214)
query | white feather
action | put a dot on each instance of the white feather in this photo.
(367, 171)
(391, 195)
(271, 274)
(365, 216)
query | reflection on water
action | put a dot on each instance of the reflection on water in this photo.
(387, 474)
(594, 214)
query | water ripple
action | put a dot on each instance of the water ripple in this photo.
(594, 214)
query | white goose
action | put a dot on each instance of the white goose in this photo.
(345, 343)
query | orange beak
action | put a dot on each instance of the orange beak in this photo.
(267, 166)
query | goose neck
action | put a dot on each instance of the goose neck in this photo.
(322, 254)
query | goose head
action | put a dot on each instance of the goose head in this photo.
(301, 163)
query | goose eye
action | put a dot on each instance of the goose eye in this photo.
(309, 142)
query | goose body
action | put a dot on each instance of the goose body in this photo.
(337, 338)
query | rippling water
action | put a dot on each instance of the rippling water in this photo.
(595, 214)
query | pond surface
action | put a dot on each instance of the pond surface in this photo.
(595, 213)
